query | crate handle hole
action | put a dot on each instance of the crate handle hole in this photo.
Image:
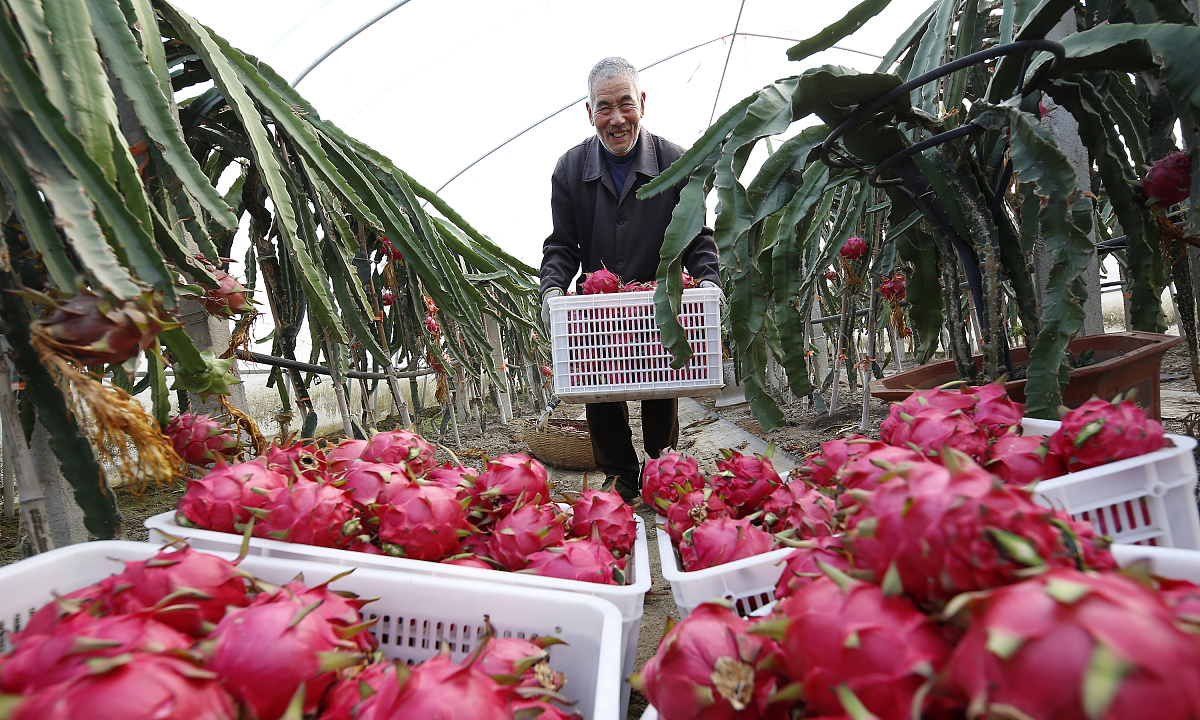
(1158, 489)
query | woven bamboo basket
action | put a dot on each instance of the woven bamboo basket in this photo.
(570, 449)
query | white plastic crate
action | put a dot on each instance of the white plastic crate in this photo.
(1173, 563)
(607, 347)
(415, 614)
(1145, 500)
(629, 598)
(748, 583)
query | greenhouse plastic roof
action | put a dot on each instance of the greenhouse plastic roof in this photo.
(436, 85)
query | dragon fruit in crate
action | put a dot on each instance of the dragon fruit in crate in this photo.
(691, 509)
(803, 566)
(664, 475)
(601, 281)
(352, 687)
(525, 660)
(604, 513)
(422, 522)
(584, 559)
(1019, 459)
(865, 472)
(995, 411)
(1069, 645)
(309, 513)
(846, 642)
(339, 609)
(820, 468)
(1099, 432)
(144, 686)
(297, 459)
(305, 650)
(796, 507)
(201, 440)
(438, 689)
(509, 477)
(524, 531)
(222, 499)
(717, 541)
(744, 481)
(930, 428)
(709, 666)
(401, 447)
(363, 481)
(339, 457)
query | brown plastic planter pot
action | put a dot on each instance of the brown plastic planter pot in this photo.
(1122, 361)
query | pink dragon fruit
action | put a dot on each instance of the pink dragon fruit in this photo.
(297, 459)
(348, 691)
(1069, 645)
(422, 522)
(191, 589)
(584, 559)
(601, 281)
(509, 477)
(339, 608)
(401, 447)
(955, 536)
(94, 328)
(363, 481)
(387, 298)
(709, 666)
(948, 397)
(524, 531)
(133, 686)
(308, 513)
(1169, 181)
(453, 477)
(305, 650)
(744, 482)
(796, 507)
(931, 428)
(1018, 459)
(339, 457)
(523, 660)
(221, 499)
(84, 605)
(721, 540)
(665, 474)
(540, 709)
(995, 411)
(229, 298)
(868, 470)
(802, 568)
(201, 440)
(606, 514)
(467, 560)
(438, 689)
(691, 509)
(43, 660)
(820, 468)
(854, 248)
(892, 287)
(1099, 432)
(841, 637)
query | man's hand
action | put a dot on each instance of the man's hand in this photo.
(721, 297)
(552, 292)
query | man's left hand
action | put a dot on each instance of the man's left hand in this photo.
(721, 297)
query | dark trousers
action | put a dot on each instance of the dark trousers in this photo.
(612, 440)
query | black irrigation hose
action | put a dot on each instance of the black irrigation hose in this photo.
(319, 370)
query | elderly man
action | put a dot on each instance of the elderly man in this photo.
(599, 222)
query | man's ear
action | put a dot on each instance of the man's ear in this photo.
(643, 110)
(588, 107)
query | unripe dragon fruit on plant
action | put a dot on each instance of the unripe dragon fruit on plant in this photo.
(601, 281)
(665, 474)
(841, 637)
(1068, 645)
(201, 440)
(710, 666)
(1169, 181)
(745, 481)
(142, 685)
(1099, 432)
(229, 298)
(717, 541)
(94, 329)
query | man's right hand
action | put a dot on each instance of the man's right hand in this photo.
(552, 292)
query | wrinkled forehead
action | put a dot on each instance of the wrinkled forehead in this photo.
(617, 87)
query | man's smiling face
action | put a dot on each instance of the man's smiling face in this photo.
(617, 113)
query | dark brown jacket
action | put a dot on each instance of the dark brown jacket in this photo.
(597, 226)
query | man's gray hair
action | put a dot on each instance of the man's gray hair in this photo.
(611, 67)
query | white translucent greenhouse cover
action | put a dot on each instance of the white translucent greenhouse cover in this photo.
(437, 84)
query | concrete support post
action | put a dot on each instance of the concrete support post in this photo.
(1065, 131)
(503, 390)
(63, 514)
(209, 333)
